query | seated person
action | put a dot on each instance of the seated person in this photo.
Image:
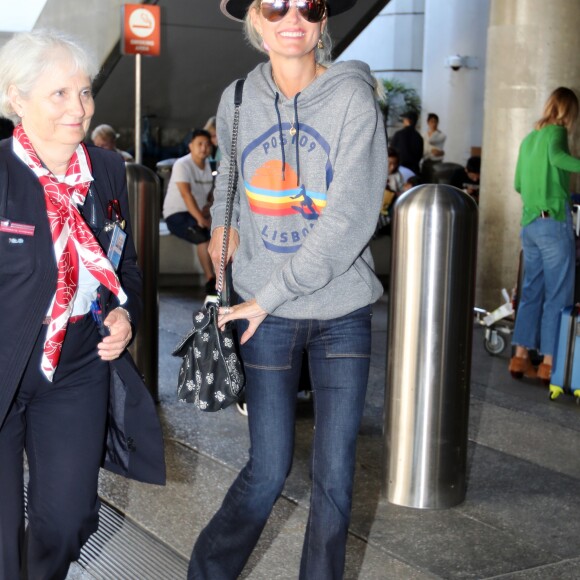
(398, 175)
(412, 182)
(105, 136)
(468, 179)
(188, 199)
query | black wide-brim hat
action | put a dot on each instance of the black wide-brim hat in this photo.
(236, 9)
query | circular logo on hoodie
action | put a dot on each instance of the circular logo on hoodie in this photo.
(286, 178)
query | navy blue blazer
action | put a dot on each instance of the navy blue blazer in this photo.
(28, 274)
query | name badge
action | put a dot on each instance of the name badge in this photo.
(15, 228)
(118, 238)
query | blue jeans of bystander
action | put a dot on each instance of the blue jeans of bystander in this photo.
(339, 358)
(548, 286)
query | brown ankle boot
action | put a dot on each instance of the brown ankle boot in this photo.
(545, 372)
(522, 367)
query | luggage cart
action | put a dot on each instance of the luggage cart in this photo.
(498, 325)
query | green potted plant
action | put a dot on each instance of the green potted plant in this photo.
(398, 98)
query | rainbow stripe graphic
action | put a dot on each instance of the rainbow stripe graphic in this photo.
(269, 195)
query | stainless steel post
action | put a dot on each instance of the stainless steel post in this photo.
(138, 136)
(144, 204)
(429, 347)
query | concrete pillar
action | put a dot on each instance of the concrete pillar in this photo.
(96, 24)
(455, 27)
(532, 48)
(392, 44)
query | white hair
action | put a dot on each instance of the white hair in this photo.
(28, 55)
(105, 132)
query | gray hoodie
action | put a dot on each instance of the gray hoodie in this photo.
(307, 203)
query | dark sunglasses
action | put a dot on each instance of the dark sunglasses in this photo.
(311, 10)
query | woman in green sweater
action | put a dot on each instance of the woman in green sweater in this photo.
(543, 180)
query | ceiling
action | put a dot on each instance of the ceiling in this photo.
(202, 51)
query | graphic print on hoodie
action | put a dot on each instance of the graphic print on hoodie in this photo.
(283, 206)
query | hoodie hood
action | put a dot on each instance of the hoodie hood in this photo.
(320, 89)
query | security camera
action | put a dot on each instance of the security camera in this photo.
(455, 62)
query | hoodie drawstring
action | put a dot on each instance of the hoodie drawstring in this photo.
(296, 137)
(281, 136)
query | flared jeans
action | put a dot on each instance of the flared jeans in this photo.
(339, 358)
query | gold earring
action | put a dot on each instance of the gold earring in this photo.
(320, 44)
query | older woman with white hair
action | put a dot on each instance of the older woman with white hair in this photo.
(68, 303)
(311, 157)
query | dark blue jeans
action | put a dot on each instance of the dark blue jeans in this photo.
(339, 357)
(185, 226)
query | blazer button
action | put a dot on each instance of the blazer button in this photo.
(131, 444)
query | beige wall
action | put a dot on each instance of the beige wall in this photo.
(533, 47)
(96, 24)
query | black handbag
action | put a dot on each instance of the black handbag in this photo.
(211, 375)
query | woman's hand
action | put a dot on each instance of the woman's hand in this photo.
(120, 333)
(215, 246)
(249, 310)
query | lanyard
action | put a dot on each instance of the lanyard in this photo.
(114, 213)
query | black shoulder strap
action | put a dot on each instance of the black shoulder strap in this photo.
(239, 92)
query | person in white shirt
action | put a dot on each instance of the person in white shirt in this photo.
(433, 142)
(188, 199)
(398, 175)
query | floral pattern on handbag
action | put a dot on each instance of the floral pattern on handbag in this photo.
(211, 374)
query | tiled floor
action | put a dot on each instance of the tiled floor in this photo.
(519, 519)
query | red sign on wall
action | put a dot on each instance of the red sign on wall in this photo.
(141, 29)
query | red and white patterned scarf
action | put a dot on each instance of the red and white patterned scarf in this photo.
(72, 238)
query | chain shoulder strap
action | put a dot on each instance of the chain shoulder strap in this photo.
(232, 187)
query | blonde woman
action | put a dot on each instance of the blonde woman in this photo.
(543, 180)
(311, 157)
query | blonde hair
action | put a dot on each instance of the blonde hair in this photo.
(322, 55)
(27, 55)
(561, 108)
(210, 124)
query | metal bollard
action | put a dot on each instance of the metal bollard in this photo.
(429, 347)
(163, 169)
(144, 204)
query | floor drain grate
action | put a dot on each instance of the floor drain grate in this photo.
(122, 550)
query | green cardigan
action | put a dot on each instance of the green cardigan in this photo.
(543, 173)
